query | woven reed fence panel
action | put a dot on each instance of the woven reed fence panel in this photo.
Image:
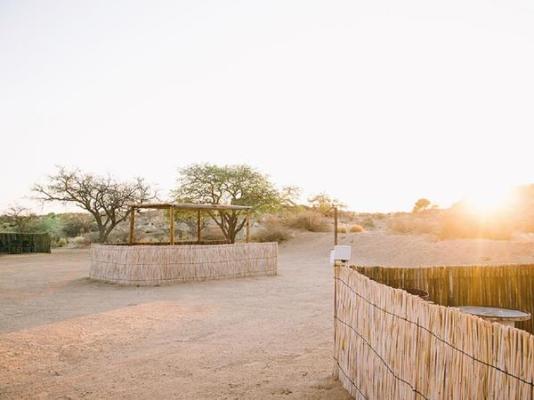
(158, 265)
(393, 345)
(17, 243)
(508, 286)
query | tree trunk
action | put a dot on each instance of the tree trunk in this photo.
(102, 237)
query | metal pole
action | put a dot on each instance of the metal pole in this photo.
(335, 226)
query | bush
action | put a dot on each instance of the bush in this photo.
(459, 226)
(309, 221)
(356, 228)
(414, 224)
(272, 233)
(118, 235)
(50, 223)
(341, 229)
(61, 242)
(74, 225)
(93, 237)
(79, 242)
(455, 223)
(212, 233)
(368, 223)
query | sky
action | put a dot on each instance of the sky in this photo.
(377, 103)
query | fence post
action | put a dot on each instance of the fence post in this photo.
(335, 226)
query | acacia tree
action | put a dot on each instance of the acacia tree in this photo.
(289, 196)
(230, 184)
(421, 205)
(325, 204)
(105, 198)
(19, 219)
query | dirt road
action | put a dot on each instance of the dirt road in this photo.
(64, 336)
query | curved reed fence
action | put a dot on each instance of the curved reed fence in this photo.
(507, 286)
(158, 265)
(389, 344)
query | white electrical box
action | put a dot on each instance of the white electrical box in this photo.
(342, 253)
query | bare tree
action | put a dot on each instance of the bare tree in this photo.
(103, 197)
(289, 196)
(20, 219)
(325, 204)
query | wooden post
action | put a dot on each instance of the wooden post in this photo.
(199, 237)
(335, 226)
(248, 227)
(335, 309)
(132, 226)
(171, 225)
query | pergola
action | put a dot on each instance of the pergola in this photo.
(172, 207)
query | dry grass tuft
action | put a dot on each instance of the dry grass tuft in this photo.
(308, 220)
(272, 233)
(342, 229)
(414, 224)
(355, 228)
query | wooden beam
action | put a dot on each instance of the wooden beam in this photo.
(132, 226)
(171, 224)
(186, 206)
(199, 236)
(335, 226)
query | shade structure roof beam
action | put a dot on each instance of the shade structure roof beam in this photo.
(190, 206)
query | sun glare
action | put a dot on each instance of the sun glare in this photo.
(487, 201)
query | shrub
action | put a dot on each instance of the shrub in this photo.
(93, 237)
(118, 235)
(272, 233)
(341, 229)
(455, 223)
(74, 225)
(61, 242)
(212, 233)
(309, 221)
(414, 224)
(460, 226)
(356, 228)
(79, 242)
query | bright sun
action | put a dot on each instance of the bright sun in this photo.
(485, 201)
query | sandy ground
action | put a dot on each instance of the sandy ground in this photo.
(63, 336)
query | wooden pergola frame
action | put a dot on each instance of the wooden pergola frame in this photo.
(172, 207)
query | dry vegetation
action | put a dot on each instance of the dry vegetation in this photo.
(356, 228)
(77, 230)
(456, 224)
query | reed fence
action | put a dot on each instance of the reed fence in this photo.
(158, 265)
(389, 344)
(507, 286)
(17, 243)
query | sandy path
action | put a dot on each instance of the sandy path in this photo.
(63, 336)
(379, 248)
